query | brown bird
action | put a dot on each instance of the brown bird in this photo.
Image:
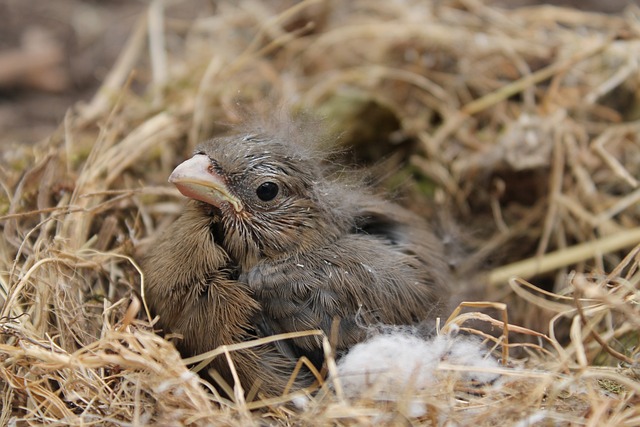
(272, 242)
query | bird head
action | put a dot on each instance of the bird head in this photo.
(267, 196)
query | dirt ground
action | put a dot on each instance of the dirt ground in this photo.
(54, 54)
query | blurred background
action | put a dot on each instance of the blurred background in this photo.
(55, 53)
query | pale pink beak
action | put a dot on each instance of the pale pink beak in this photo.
(196, 179)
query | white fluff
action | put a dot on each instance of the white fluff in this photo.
(397, 364)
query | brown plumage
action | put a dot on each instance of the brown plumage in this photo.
(271, 243)
(191, 284)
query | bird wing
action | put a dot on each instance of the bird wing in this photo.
(358, 281)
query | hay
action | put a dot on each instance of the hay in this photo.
(526, 124)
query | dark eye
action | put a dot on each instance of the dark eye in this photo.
(267, 191)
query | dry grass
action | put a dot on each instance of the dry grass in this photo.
(526, 124)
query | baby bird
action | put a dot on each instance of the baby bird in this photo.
(272, 242)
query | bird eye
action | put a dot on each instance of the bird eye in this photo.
(267, 191)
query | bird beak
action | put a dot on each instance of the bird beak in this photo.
(196, 179)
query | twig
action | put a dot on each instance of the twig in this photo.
(551, 261)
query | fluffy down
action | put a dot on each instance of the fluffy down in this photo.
(397, 365)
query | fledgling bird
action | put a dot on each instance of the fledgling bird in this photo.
(272, 242)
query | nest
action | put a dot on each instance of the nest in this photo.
(523, 124)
